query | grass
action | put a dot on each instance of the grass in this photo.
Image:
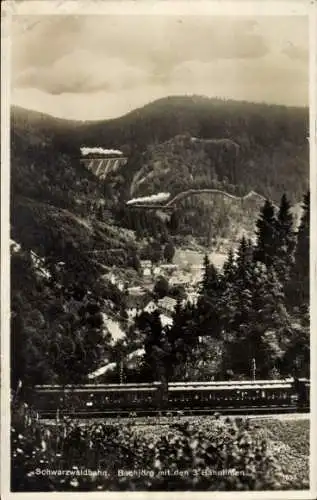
(289, 441)
(272, 454)
(290, 444)
(293, 433)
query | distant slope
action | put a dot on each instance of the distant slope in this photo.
(273, 149)
(184, 162)
(39, 128)
(59, 209)
(201, 117)
(214, 217)
(174, 145)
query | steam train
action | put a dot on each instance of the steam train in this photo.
(83, 401)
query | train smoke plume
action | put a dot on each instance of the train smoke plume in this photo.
(86, 151)
(149, 199)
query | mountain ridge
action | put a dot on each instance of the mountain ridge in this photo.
(17, 109)
(174, 144)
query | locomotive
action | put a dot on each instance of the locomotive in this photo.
(94, 400)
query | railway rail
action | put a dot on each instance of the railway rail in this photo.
(254, 411)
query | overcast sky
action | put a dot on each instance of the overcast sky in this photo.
(95, 67)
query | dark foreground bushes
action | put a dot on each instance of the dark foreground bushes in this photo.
(212, 454)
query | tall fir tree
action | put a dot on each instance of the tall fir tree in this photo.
(284, 240)
(157, 351)
(209, 302)
(240, 305)
(206, 264)
(265, 249)
(261, 324)
(182, 337)
(229, 268)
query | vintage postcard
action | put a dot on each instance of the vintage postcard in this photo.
(158, 198)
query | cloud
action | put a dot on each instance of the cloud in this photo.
(82, 72)
(90, 67)
(41, 41)
(71, 55)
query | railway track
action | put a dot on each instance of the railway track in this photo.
(170, 205)
(229, 411)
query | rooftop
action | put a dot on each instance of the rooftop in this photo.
(167, 303)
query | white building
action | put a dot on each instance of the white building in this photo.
(113, 327)
(167, 305)
(150, 307)
(166, 320)
(156, 271)
(146, 266)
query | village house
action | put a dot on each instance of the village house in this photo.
(146, 266)
(156, 271)
(180, 279)
(166, 320)
(150, 307)
(167, 305)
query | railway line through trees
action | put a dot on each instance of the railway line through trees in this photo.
(170, 205)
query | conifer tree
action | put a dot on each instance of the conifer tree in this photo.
(265, 249)
(205, 279)
(296, 360)
(261, 324)
(157, 355)
(182, 337)
(271, 319)
(169, 251)
(209, 302)
(285, 240)
(229, 268)
(227, 299)
(242, 287)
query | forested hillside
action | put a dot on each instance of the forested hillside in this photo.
(270, 142)
(232, 164)
(61, 249)
(255, 307)
(69, 228)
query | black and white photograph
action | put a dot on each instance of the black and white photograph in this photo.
(159, 324)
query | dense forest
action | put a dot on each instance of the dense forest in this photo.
(262, 147)
(184, 162)
(255, 308)
(69, 229)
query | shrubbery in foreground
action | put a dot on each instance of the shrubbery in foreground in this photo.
(218, 455)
